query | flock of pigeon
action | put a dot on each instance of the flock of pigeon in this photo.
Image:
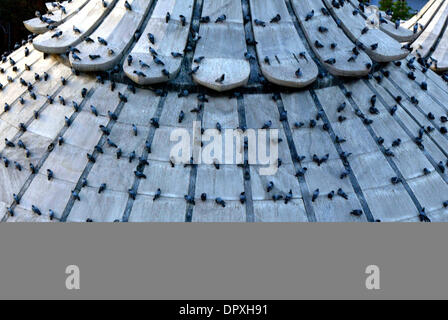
(90, 100)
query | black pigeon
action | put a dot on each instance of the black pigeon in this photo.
(315, 195)
(276, 19)
(356, 213)
(309, 16)
(423, 217)
(259, 23)
(151, 38)
(157, 195)
(220, 79)
(102, 188)
(139, 175)
(50, 174)
(221, 18)
(36, 210)
(221, 202)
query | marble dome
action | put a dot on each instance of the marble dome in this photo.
(360, 103)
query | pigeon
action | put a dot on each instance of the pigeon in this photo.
(76, 30)
(132, 156)
(276, 19)
(342, 194)
(183, 20)
(270, 186)
(111, 144)
(315, 195)
(158, 61)
(155, 122)
(57, 35)
(75, 195)
(309, 15)
(221, 19)
(205, 19)
(288, 197)
(99, 149)
(318, 45)
(102, 188)
(91, 158)
(259, 23)
(220, 79)
(356, 213)
(189, 199)
(423, 217)
(9, 144)
(36, 210)
(243, 197)
(157, 195)
(112, 116)
(199, 59)
(177, 54)
(102, 41)
(151, 38)
(221, 202)
(132, 194)
(50, 174)
(139, 175)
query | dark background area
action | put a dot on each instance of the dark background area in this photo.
(414, 4)
(12, 15)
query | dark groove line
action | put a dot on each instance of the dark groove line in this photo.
(150, 139)
(409, 133)
(90, 165)
(388, 159)
(354, 181)
(250, 216)
(197, 13)
(325, 78)
(47, 153)
(255, 70)
(187, 61)
(194, 168)
(311, 215)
